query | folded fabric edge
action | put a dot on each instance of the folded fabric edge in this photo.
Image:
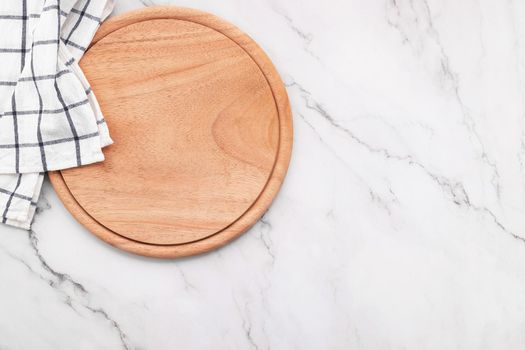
(25, 219)
(105, 139)
(22, 213)
(110, 5)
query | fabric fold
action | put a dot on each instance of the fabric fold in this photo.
(49, 117)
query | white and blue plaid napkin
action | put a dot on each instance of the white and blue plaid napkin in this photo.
(49, 118)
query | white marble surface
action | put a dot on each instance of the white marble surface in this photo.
(401, 224)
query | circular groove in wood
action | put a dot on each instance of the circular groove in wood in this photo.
(275, 166)
(195, 129)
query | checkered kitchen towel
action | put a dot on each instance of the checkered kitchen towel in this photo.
(49, 118)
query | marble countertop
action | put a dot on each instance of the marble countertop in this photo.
(401, 224)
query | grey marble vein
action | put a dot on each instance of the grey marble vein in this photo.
(399, 225)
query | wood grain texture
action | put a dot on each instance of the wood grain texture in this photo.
(202, 129)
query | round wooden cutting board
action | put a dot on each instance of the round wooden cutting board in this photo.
(202, 130)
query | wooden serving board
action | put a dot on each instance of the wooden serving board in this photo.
(202, 129)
